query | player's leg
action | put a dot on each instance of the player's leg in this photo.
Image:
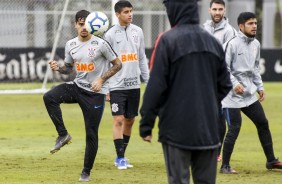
(92, 105)
(222, 132)
(127, 128)
(256, 113)
(118, 100)
(234, 119)
(131, 111)
(63, 93)
(204, 166)
(177, 163)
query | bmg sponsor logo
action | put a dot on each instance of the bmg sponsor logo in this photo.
(85, 67)
(129, 57)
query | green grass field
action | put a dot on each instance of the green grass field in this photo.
(27, 134)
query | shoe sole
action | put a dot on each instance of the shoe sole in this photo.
(56, 150)
(128, 166)
(229, 172)
(122, 168)
(83, 180)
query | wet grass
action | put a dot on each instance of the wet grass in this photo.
(27, 134)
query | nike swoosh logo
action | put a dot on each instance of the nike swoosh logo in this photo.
(62, 141)
(97, 106)
(73, 52)
(240, 53)
(118, 42)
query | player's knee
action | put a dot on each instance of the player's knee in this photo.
(47, 98)
(263, 125)
(129, 123)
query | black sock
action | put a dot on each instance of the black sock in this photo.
(119, 145)
(125, 141)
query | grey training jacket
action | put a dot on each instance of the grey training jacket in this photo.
(128, 43)
(242, 58)
(222, 31)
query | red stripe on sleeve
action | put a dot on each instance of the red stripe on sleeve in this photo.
(151, 63)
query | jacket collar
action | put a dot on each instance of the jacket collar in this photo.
(245, 38)
(219, 25)
(122, 27)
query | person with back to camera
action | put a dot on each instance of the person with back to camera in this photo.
(188, 77)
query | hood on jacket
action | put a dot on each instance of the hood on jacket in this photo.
(182, 12)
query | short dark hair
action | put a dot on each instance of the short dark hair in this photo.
(217, 2)
(82, 14)
(244, 17)
(122, 4)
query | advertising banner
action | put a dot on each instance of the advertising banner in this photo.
(29, 64)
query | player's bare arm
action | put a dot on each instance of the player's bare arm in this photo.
(67, 68)
(113, 70)
(97, 84)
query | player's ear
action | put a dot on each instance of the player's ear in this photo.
(117, 14)
(241, 27)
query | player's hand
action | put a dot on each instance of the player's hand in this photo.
(108, 97)
(54, 65)
(239, 89)
(148, 138)
(261, 95)
(97, 84)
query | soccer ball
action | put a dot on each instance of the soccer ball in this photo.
(97, 23)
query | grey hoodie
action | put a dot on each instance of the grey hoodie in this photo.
(223, 31)
(242, 58)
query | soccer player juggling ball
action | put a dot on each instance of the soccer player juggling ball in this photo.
(91, 56)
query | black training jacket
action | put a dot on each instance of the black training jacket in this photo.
(188, 80)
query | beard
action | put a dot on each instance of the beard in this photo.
(250, 35)
(218, 19)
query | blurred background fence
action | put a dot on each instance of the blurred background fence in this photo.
(28, 29)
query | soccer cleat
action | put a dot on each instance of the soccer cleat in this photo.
(226, 169)
(219, 158)
(60, 142)
(128, 165)
(121, 163)
(84, 177)
(275, 164)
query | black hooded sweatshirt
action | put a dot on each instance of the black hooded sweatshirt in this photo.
(188, 80)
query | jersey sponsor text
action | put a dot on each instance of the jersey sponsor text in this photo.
(85, 67)
(129, 57)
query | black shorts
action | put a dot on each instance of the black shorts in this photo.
(125, 102)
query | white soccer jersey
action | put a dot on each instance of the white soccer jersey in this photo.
(128, 43)
(91, 60)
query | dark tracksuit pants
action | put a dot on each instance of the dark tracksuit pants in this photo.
(92, 106)
(256, 114)
(203, 165)
(222, 129)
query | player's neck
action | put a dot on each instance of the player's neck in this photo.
(84, 39)
(125, 24)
